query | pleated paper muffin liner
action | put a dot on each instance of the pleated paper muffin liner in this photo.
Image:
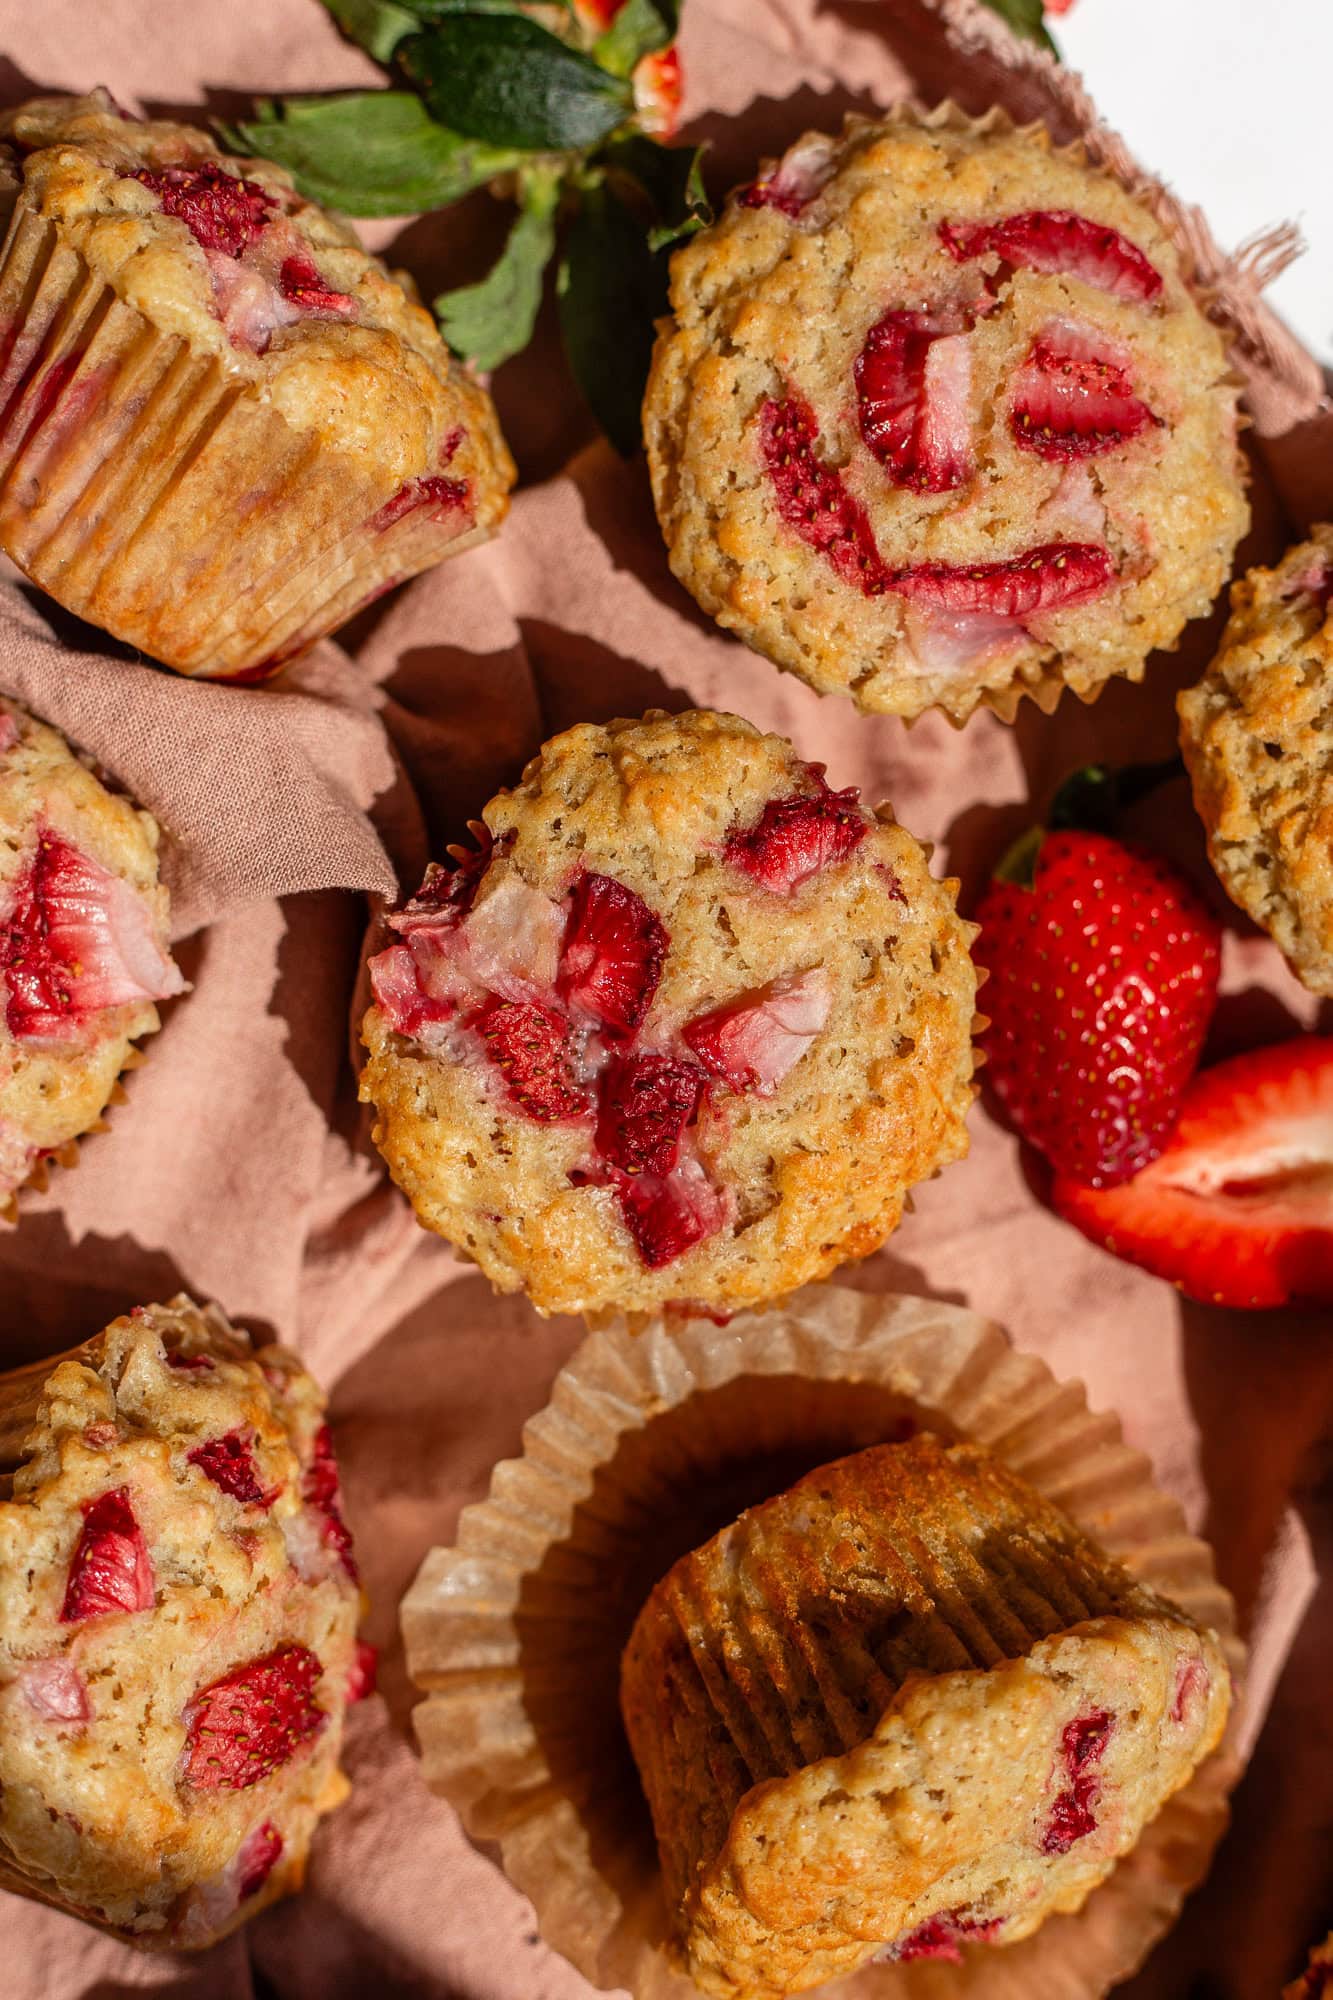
(651, 1443)
(66, 1154)
(162, 500)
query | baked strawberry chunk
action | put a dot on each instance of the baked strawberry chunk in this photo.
(613, 953)
(435, 494)
(1056, 240)
(1073, 397)
(1082, 1746)
(530, 1045)
(75, 941)
(812, 498)
(667, 1217)
(258, 1857)
(754, 1042)
(364, 1672)
(56, 1691)
(798, 837)
(300, 283)
(795, 182)
(229, 1462)
(646, 1103)
(939, 1937)
(247, 1725)
(221, 211)
(1050, 578)
(322, 1490)
(111, 1569)
(914, 397)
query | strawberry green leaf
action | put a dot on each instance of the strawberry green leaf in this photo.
(671, 180)
(378, 25)
(374, 152)
(611, 289)
(1025, 17)
(640, 28)
(505, 79)
(488, 322)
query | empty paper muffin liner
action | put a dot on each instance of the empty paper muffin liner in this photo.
(650, 1444)
(160, 498)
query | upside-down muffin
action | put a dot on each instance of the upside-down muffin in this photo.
(83, 946)
(178, 1613)
(1257, 735)
(683, 1029)
(903, 1709)
(223, 426)
(937, 420)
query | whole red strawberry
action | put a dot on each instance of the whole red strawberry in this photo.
(1103, 970)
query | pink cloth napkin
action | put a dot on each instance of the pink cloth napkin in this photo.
(240, 1170)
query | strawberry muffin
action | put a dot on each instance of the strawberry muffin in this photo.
(682, 1030)
(177, 1627)
(83, 946)
(937, 421)
(1317, 1977)
(223, 426)
(1257, 734)
(903, 1710)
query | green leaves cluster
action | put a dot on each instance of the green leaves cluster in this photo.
(485, 91)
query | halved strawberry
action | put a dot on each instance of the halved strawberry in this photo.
(647, 1101)
(667, 1217)
(76, 940)
(1104, 967)
(799, 836)
(221, 211)
(913, 392)
(247, 1725)
(1050, 578)
(1057, 240)
(1238, 1208)
(299, 282)
(258, 1857)
(754, 1041)
(1073, 398)
(613, 954)
(322, 1489)
(111, 1569)
(230, 1463)
(530, 1046)
(812, 499)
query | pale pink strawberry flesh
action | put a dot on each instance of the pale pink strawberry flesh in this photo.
(754, 1042)
(1073, 397)
(913, 392)
(111, 1570)
(9, 731)
(1058, 241)
(667, 1217)
(257, 1859)
(798, 837)
(1191, 1678)
(812, 499)
(229, 1462)
(794, 182)
(1082, 1746)
(56, 1691)
(75, 941)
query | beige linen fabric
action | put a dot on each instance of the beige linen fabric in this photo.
(239, 1167)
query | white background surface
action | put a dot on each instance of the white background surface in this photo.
(1231, 102)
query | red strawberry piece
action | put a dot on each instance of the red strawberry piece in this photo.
(1082, 1746)
(322, 1489)
(301, 285)
(668, 1217)
(258, 1857)
(939, 1937)
(530, 1046)
(794, 182)
(659, 86)
(230, 1464)
(111, 1569)
(1191, 1678)
(56, 1691)
(1238, 1208)
(812, 499)
(176, 1359)
(363, 1672)
(1057, 240)
(1050, 578)
(799, 836)
(914, 398)
(247, 1725)
(76, 939)
(1073, 397)
(753, 1042)
(613, 954)
(646, 1103)
(436, 494)
(220, 210)
(1103, 979)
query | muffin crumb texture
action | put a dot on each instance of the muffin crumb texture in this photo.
(938, 422)
(1257, 735)
(177, 1630)
(903, 1711)
(682, 1029)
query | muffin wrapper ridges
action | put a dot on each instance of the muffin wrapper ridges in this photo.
(649, 1444)
(163, 501)
(66, 1155)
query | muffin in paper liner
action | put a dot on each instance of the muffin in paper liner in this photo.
(216, 460)
(649, 1445)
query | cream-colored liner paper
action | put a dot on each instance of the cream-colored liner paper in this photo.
(649, 1443)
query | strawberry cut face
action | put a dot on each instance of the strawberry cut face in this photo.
(754, 1042)
(914, 398)
(111, 1570)
(246, 1726)
(221, 211)
(667, 1217)
(812, 498)
(75, 941)
(531, 1047)
(230, 1463)
(300, 283)
(613, 954)
(798, 837)
(322, 1489)
(1051, 578)
(1073, 397)
(1082, 1746)
(646, 1102)
(1058, 241)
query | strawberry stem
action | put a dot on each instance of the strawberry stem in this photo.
(1018, 864)
(1092, 799)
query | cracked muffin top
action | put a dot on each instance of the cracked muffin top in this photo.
(937, 421)
(682, 1030)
